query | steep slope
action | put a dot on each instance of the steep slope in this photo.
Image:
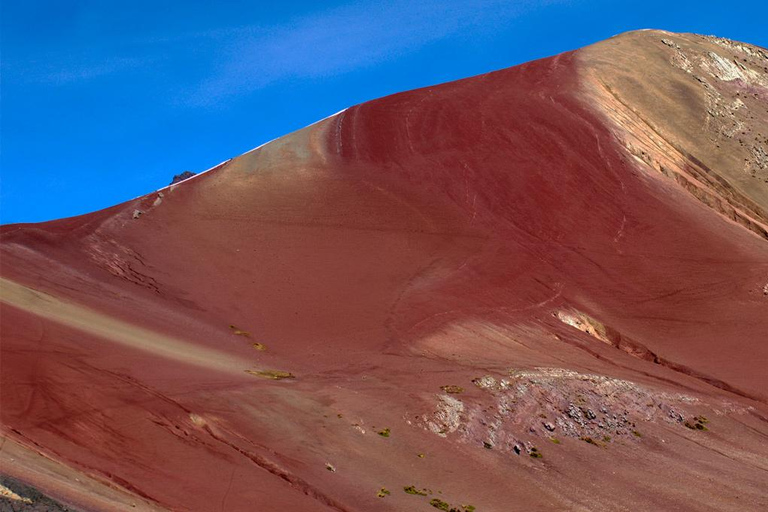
(694, 109)
(476, 289)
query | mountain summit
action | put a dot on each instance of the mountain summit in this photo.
(542, 288)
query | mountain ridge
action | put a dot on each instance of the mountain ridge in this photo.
(504, 278)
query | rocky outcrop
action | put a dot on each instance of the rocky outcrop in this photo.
(693, 109)
(181, 177)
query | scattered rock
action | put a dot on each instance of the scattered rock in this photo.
(487, 381)
(15, 495)
(181, 177)
(670, 43)
(447, 418)
(511, 413)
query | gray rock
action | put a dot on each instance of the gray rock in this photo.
(181, 177)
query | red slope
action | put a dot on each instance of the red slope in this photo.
(422, 239)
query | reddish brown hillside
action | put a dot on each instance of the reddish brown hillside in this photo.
(479, 294)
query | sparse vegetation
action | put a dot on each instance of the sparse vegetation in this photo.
(384, 433)
(636, 433)
(413, 490)
(444, 505)
(535, 453)
(698, 423)
(435, 502)
(554, 440)
(452, 390)
(440, 504)
(590, 441)
(271, 374)
(383, 492)
(239, 332)
(259, 346)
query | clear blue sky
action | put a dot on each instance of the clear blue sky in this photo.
(103, 100)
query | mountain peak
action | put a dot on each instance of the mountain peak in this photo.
(451, 296)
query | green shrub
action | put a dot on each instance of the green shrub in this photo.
(440, 504)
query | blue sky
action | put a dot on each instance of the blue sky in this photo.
(102, 101)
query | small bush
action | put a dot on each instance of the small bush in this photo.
(697, 424)
(440, 504)
(271, 374)
(239, 332)
(413, 490)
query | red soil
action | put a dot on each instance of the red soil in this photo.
(420, 240)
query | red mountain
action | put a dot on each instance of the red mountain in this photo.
(542, 288)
